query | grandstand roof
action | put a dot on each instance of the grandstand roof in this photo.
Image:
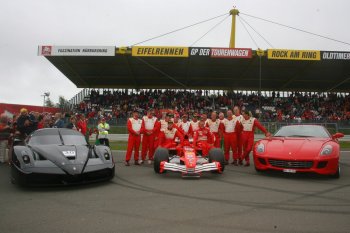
(282, 70)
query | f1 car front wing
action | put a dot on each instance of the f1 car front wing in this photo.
(214, 166)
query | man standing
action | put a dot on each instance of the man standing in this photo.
(194, 122)
(26, 123)
(230, 127)
(249, 125)
(221, 119)
(134, 140)
(82, 126)
(148, 129)
(213, 124)
(59, 123)
(185, 127)
(164, 121)
(103, 129)
(239, 117)
(5, 132)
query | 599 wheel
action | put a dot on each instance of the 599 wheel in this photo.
(160, 155)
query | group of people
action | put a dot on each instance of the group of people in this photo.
(294, 106)
(235, 133)
(27, 122)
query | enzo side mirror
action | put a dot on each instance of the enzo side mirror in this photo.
(337, 135)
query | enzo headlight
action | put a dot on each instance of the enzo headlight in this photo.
(106, 155)
(26, 159)
(260, 148)
(327, 150)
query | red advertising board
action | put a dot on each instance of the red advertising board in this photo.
(15, 108)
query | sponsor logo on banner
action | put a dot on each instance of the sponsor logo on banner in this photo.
(231, 53)
(335, 55)
(76, 50)
(159, 51)
(283, 54)
(202, 52)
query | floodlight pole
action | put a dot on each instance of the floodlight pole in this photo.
(260, 53)
(234, 13)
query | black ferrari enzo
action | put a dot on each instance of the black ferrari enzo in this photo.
(60, 156)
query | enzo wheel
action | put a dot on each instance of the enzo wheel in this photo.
(337, 174)
(216, 155)
(160, 155)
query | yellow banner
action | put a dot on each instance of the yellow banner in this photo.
(283, 54)
(159, 51)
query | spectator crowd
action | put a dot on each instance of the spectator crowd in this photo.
(297, 106)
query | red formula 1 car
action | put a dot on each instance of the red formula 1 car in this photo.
(188, 160)
(299, 148)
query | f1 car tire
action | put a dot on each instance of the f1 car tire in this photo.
(216, 155)
(160, 155)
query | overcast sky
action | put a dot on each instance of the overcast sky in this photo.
(25, 24)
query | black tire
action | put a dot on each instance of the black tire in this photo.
(160, 155)
(258, 170)
(216, 155)
(337, 174)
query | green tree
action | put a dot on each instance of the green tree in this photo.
(49, 103)
(63, 104)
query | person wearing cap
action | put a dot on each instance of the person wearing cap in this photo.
(203, 138)
(134, 128)
(214, 126)
(167, 138)
(194, 122)
(103, 129)
(26, 123)
(239, 117)
(148, 129)
(249, 124)
(230, 126)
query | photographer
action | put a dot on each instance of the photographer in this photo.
(26, 123)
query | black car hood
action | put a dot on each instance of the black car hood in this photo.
(56, 154)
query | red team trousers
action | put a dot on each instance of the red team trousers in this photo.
(133, 144)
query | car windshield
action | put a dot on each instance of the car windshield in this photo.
(57, 137)
(302, 131)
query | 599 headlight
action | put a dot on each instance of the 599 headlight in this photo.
(326, 150)
(260, 148)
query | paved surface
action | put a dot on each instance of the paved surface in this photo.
(138, 200)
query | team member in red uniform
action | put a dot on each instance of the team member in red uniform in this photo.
(167, 137)
(203, 138)
(194, 122)
(82, 126)
(185, 127)
(239, 117)
(148, 129)
(134, 128)
(230, 127)
(249, 124)
(164, 122)
(214, 125)
(221, 118)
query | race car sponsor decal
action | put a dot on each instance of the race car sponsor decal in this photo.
(48, 50)
(335, 55)
(284, 54)
(159, 51)
(231, 53)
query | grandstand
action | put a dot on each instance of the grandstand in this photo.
(278, 84)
